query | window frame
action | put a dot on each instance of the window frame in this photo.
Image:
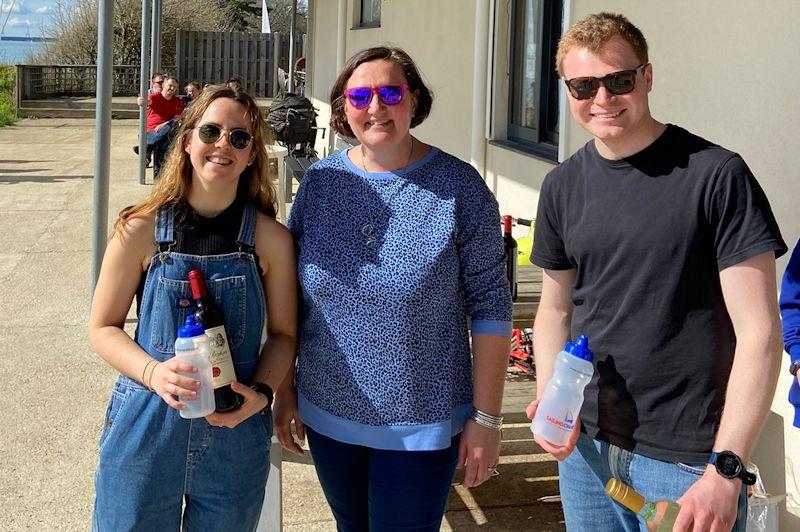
(543, 140)
(359, 22)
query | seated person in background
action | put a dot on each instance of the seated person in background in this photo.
(155, 83)
(162, 108)
(192, 90)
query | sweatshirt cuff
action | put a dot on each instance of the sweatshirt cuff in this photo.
(493, 327)
(794, 353)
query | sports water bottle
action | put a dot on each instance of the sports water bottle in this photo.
(563, 397)
(192, 347)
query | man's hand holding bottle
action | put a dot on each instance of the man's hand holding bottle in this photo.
(559, 452)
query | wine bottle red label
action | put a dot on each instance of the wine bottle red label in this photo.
(220, 357)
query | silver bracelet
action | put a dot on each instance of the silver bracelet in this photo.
(487, 420)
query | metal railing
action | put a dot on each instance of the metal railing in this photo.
(36, 82)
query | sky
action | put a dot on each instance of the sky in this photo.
(19, 17)
(23, 17)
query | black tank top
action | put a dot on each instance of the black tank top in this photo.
(198, 235)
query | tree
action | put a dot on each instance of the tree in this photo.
(280, 16)
(240, 15)
(74, 28)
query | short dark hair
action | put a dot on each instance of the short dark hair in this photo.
(379, 53)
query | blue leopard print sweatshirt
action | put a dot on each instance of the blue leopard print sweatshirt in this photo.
(392, 267)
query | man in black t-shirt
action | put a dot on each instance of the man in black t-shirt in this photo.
(660, 247)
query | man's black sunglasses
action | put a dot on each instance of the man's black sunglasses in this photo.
(210, 133)
(621, 82)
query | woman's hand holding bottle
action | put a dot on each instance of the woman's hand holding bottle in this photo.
(253, 403)
(166, 381)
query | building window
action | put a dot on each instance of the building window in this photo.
(370, 14)
(533, 88)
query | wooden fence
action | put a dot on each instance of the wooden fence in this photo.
(214, 57)
(202, 56)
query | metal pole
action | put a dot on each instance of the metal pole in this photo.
(102, 135)
(155, 39)
(291, 45)
(144, 84)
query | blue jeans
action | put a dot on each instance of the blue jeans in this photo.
(583, 476)
(379, 490)
(159, 143)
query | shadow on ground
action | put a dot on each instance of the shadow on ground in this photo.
(14, 179)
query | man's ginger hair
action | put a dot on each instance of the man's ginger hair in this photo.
(594, 32)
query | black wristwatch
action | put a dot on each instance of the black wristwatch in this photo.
(730, 466)
(794, 367)
(262, 387)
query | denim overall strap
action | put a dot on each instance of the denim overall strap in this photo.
(165, 226)
(247, 230)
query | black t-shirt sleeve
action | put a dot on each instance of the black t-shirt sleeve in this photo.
(741, 219)
(548, 237)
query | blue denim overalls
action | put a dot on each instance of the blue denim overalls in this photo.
(151, 459)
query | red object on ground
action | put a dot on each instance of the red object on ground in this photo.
(521, 353)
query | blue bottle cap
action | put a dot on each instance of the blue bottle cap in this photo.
(580, 348)
(190, 328)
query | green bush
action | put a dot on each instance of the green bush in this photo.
(7, 111)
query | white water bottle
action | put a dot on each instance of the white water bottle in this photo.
(563, 397)
(192, 347)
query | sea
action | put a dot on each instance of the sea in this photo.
(15, 52)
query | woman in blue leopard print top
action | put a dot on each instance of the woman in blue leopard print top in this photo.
(399, 248)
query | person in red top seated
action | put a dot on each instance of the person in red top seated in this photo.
(162, 108)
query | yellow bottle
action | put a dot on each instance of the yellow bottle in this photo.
(659, 516)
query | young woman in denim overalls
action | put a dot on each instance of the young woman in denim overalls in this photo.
(158, 471)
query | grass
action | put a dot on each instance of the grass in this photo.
(7, 111)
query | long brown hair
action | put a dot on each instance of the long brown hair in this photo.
(175, 176)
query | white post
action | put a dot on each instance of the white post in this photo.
(480, 60)
(265, 17)
(291, 46)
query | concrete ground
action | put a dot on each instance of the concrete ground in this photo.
(56, 388)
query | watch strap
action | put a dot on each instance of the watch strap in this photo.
(794, 367)
(748, 478)
(264, 388)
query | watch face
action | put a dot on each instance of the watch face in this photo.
(728, 464)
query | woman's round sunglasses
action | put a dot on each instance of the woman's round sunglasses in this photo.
(238, 138)
(621, 82)
(360, 97)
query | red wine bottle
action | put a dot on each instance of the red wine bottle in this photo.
(210, 316)
(510, 246)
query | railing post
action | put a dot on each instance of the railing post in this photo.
(144, 84)
(18, 89)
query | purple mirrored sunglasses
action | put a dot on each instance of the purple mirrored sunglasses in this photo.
(360, 97)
